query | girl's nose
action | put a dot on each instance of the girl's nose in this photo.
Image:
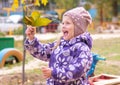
(63, 25)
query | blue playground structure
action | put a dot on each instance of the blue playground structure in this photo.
(8, 53)
(96, 58)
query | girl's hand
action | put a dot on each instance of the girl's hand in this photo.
(30, 32)
(46, 72)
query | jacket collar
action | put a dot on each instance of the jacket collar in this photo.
(85, 37)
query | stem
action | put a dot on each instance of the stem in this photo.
(24, 51)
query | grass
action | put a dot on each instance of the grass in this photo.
(108, 48)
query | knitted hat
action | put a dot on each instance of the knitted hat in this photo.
(81, 19)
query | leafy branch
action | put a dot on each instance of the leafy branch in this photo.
(35, 18)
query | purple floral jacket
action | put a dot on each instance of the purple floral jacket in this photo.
(70, 61)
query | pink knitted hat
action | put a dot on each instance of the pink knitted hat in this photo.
(81, 19)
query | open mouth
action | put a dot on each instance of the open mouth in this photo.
(65, 33)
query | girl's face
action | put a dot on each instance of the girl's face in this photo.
(67, 28)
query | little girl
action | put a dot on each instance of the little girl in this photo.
(69, 58)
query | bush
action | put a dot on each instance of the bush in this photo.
(2, 34)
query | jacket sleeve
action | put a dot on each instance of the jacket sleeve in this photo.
(39, 50)
(75, 69)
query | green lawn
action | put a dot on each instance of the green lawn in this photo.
(110, 49)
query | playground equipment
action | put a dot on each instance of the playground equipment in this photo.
(102, 79)
(8, 53)
(105, 79)
(96, 58)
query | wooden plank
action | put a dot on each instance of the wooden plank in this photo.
(112, 79)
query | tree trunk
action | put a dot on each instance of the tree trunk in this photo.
(115, 11)
(115, 7)
(101, 15)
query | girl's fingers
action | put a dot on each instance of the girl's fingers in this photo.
(46, 72)
(31, 29)
(43, 67)
(30, 32)
(46, 75)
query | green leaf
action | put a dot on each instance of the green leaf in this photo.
(35, 15)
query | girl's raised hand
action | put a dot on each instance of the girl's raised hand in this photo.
(30, 32)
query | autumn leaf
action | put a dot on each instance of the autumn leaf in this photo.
(37, 3)
(35, 15)
(42, 22)
(44, 2)
(23, 1)
(28, 20)
(15, 5)
(35, 19)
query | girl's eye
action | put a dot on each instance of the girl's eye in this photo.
(67, 23)
(62, 23)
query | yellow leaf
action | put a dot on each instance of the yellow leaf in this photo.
(13, 8)
(28, 20)
(35, 15)
(23, 1)
(15, 4)
(44, 2)
(42, 22)
(35, 19)
(37, 3)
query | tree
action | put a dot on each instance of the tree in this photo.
(66, 4)
(115, 11)
(106, 9)
(35, 20)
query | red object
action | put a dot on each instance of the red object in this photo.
(92, 80)
(52, 27)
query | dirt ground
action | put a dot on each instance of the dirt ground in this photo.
(13, 76)
(16, 79)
